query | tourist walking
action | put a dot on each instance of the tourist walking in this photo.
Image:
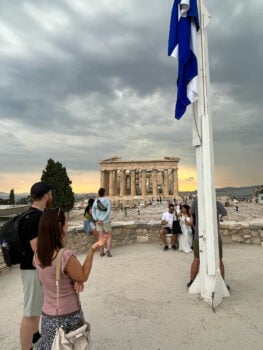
(235, 201)
(101, 211)
(51, 237)
(33, 293)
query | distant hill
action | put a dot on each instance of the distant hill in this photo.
(237, 192)
(5, 195)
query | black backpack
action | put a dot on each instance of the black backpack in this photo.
(10, 238)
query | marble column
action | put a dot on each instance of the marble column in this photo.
(103, 179)
(111, 183)
(144, 188)
(165, 183)
(115, 182)
(133, 183)
(175, 182)
(122, 183)
(154, 183)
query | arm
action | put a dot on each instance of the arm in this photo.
(33, 244)
(164, 221)
(78, 272)
(191, 221)
(94, 214)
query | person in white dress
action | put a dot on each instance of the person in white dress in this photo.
(185, 239)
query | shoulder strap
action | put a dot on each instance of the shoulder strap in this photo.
(58, 266)
(29, 211)
(101, 206)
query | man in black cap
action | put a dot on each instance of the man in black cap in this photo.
(33, 295)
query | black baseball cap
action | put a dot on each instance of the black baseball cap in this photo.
(39, 189)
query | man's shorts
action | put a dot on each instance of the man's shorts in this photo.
(33, 293)
(169, 230)
(196, 248)
(104, 227)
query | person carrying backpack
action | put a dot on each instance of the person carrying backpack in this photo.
(101, 211)
(41, 195)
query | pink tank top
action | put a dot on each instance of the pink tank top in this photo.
(68, 298)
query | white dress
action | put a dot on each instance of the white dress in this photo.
(185, 239)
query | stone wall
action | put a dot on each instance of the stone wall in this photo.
(148, 232)
(242, 232)
(7, 212)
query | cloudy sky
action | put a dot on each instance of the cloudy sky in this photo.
(82, 81)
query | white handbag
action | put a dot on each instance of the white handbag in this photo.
(77, 339)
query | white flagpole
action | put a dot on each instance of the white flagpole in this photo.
(208, 282)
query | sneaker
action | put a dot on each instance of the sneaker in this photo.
(165, 247)
(188, 285)
(102, 254)
(174, 247)
(109, 254)
(36, 337)
(36, 340)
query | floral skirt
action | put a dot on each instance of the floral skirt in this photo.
(49, 324)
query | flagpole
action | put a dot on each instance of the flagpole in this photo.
(208, 282)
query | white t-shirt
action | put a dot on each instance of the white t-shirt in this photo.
(170, 217)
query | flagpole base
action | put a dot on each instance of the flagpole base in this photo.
(214, 289)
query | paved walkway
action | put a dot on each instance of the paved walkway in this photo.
(137, 300)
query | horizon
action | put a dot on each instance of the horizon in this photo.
(95, 190)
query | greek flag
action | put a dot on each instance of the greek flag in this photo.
(183, 46)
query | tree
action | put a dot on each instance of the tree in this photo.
(12, 197)
(56, 176)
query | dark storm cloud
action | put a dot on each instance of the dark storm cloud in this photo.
(92, 79)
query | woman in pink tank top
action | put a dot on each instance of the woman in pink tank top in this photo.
(51, 234)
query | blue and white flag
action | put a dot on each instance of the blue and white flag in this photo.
(183, 45)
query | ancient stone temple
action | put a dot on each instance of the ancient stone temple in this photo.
(144, 179)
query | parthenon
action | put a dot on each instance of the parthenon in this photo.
(144, 179)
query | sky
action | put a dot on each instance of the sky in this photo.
(83, 81)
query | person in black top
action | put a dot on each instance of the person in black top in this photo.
(41, 195)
